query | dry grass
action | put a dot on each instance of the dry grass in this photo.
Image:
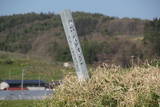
(110, 87)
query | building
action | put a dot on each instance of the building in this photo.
(25, 84)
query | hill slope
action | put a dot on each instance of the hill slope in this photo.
(43, 35)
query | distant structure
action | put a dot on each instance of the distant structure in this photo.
(27, 85)
(67, 64)
(4, 85)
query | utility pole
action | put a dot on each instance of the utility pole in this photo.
(74, 45)
(22, 79)
(9, 75)
(39, 82)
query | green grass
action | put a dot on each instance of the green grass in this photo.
(12, 65)
(18, 103)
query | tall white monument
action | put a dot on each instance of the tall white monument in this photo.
(74, 45)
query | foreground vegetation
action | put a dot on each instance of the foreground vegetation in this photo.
(111, 87)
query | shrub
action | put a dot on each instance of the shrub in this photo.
(112, 87)
(152, 35)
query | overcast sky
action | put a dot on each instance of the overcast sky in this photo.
(145, 9)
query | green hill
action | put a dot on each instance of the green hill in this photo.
(42, 34)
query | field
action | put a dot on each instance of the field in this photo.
(12, 65)
(17, 103)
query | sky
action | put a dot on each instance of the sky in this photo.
(144, 9)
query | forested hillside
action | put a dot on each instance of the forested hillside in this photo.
(103, 38)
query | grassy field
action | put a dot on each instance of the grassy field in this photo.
(12, 65)
(18, 103)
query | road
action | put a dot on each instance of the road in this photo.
(25, 94)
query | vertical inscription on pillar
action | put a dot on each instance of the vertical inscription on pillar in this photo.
(74, 45)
